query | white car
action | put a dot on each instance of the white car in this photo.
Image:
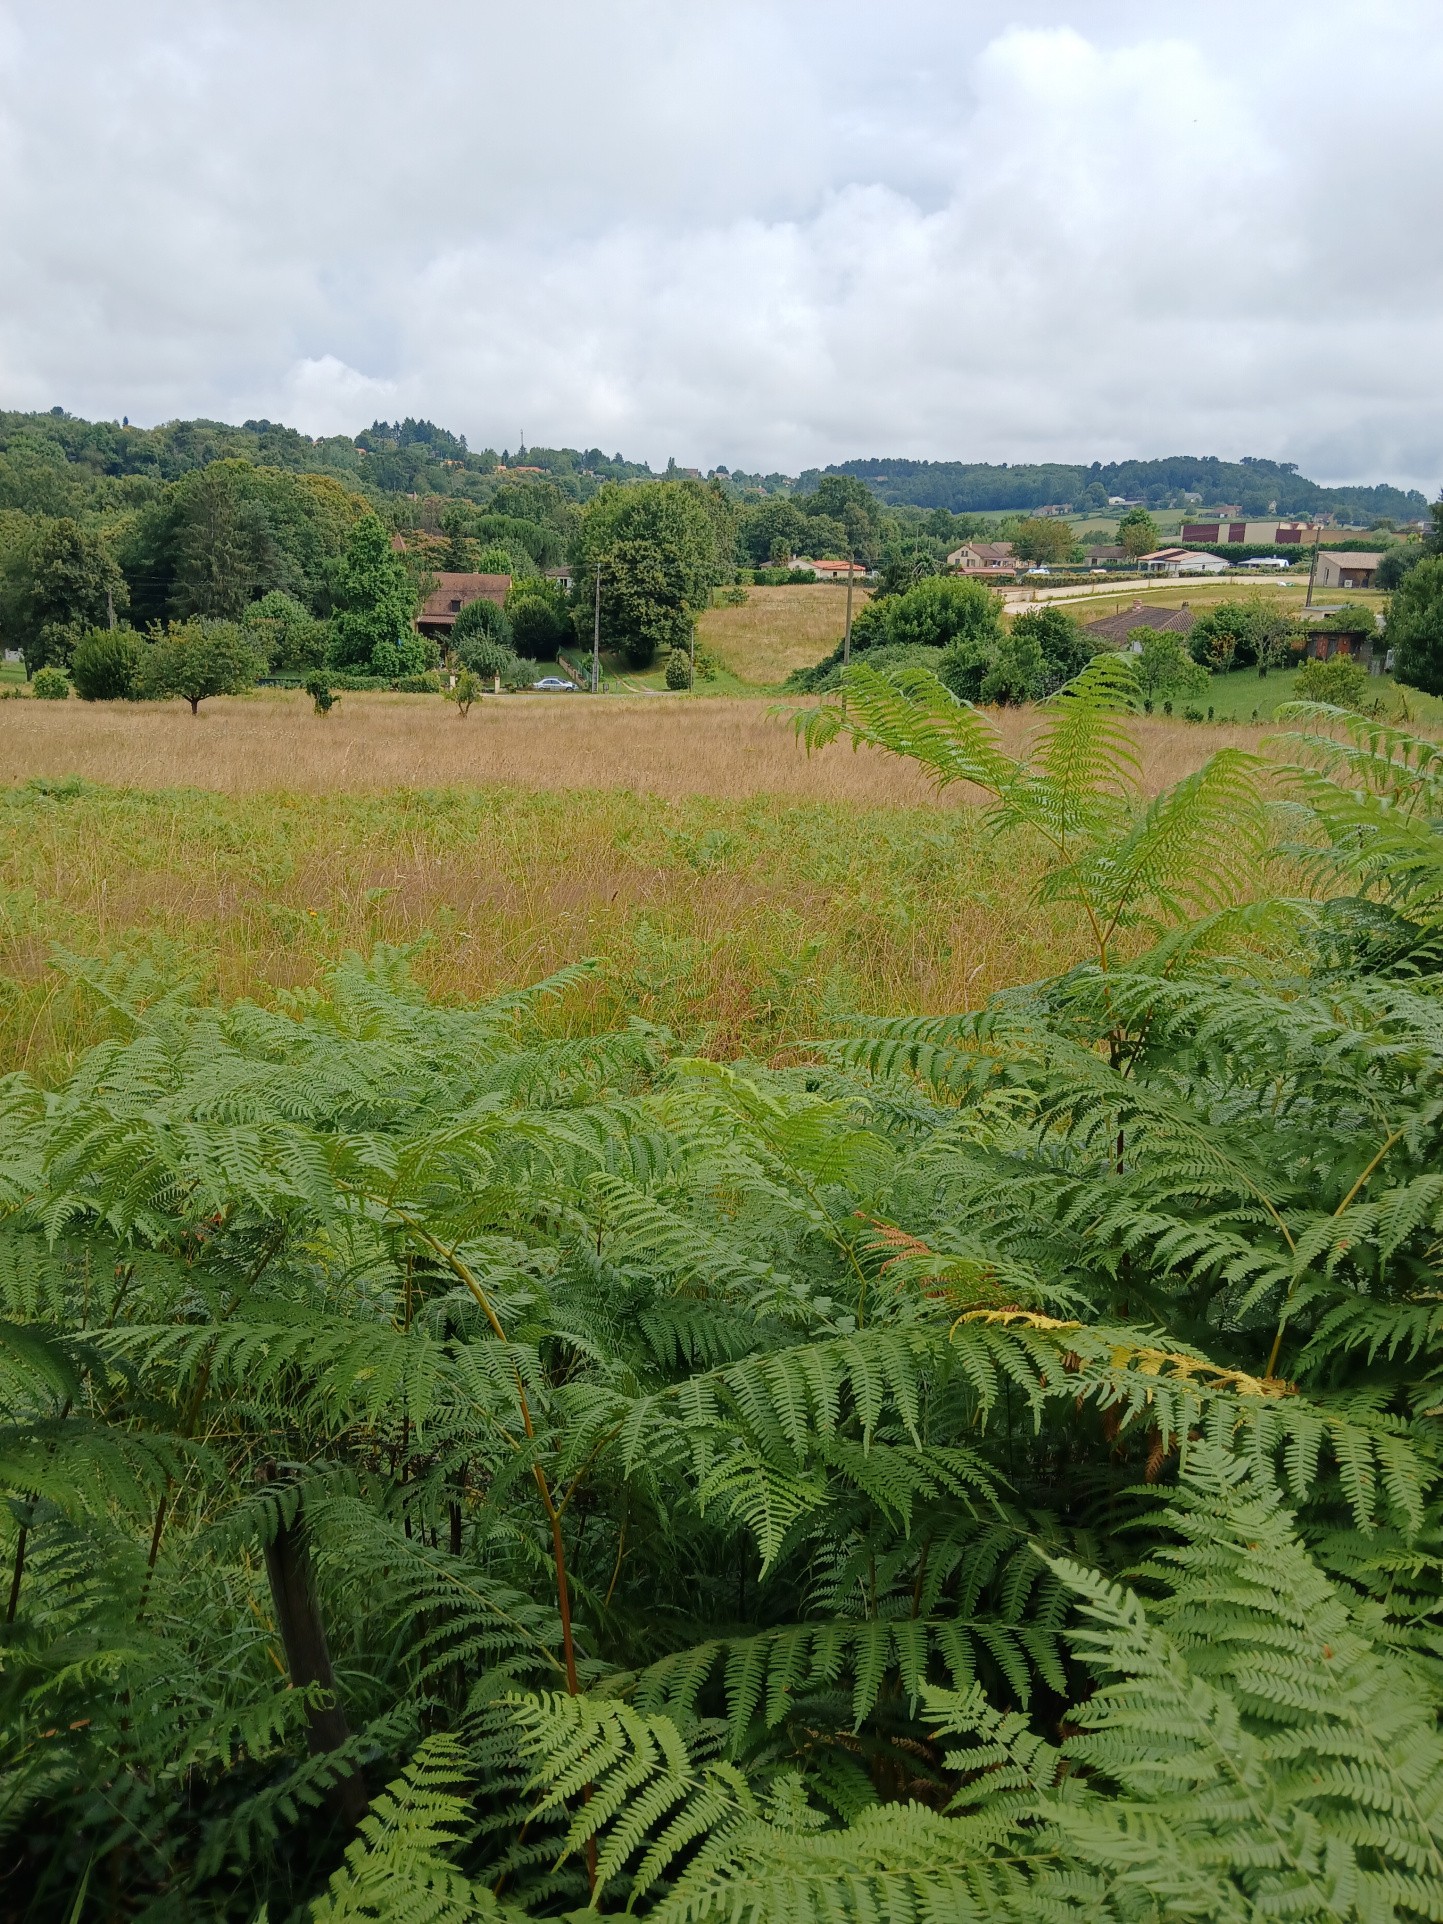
(554, 684)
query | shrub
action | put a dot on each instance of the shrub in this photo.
(941, 610)
(1342, 682)
(1015, 671)
(106, 665)
(1395, 563)
(319, 689)
(678, 669)
(51, 684)
(1164, 665)
(1065, 645)
(486, 655)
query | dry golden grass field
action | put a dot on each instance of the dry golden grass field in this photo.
(734, 890)
(670, 746)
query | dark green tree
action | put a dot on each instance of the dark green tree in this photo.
(1415, 626)
(106, 664)
(539, 622)
(375, 598)
(223, 548)
(851, 504)
(59, 584)
(644, 607)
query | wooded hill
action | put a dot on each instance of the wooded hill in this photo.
(1255, 486)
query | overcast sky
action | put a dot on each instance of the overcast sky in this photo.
(771, 235)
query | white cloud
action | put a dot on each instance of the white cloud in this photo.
(767, 234)
(324, 396)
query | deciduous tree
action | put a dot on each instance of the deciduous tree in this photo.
(197, 659)
(60, 583)
(375, 598)
(1137, 533)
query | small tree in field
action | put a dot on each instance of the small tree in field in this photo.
(51, 684)
(466, 690)
(323, 696)
(678, 670)
(198, 659)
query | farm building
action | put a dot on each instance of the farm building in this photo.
(1343, 570)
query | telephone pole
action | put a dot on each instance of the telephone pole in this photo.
(847, 631)
(1312, 572)
(596, 637)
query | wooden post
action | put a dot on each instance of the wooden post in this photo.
(303, 1635)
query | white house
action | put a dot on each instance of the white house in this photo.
(1183, 561)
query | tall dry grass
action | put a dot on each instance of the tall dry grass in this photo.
(671, 746)
(744, 925)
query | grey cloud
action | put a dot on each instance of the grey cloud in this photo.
(765, 234)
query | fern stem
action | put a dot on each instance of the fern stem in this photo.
(19, 1573)
(1343, 1206)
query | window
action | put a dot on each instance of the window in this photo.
(455, 607)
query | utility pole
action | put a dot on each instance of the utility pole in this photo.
(110, 605)
(1313, 571)
(596, 637)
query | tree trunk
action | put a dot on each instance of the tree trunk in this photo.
(298, 1618)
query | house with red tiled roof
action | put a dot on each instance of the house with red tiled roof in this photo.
(451, 594)
(833, 570)
(1117, 630)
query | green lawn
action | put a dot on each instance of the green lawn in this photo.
(1245, 696)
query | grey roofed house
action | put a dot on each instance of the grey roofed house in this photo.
(1337, 570)
(1118, 629)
